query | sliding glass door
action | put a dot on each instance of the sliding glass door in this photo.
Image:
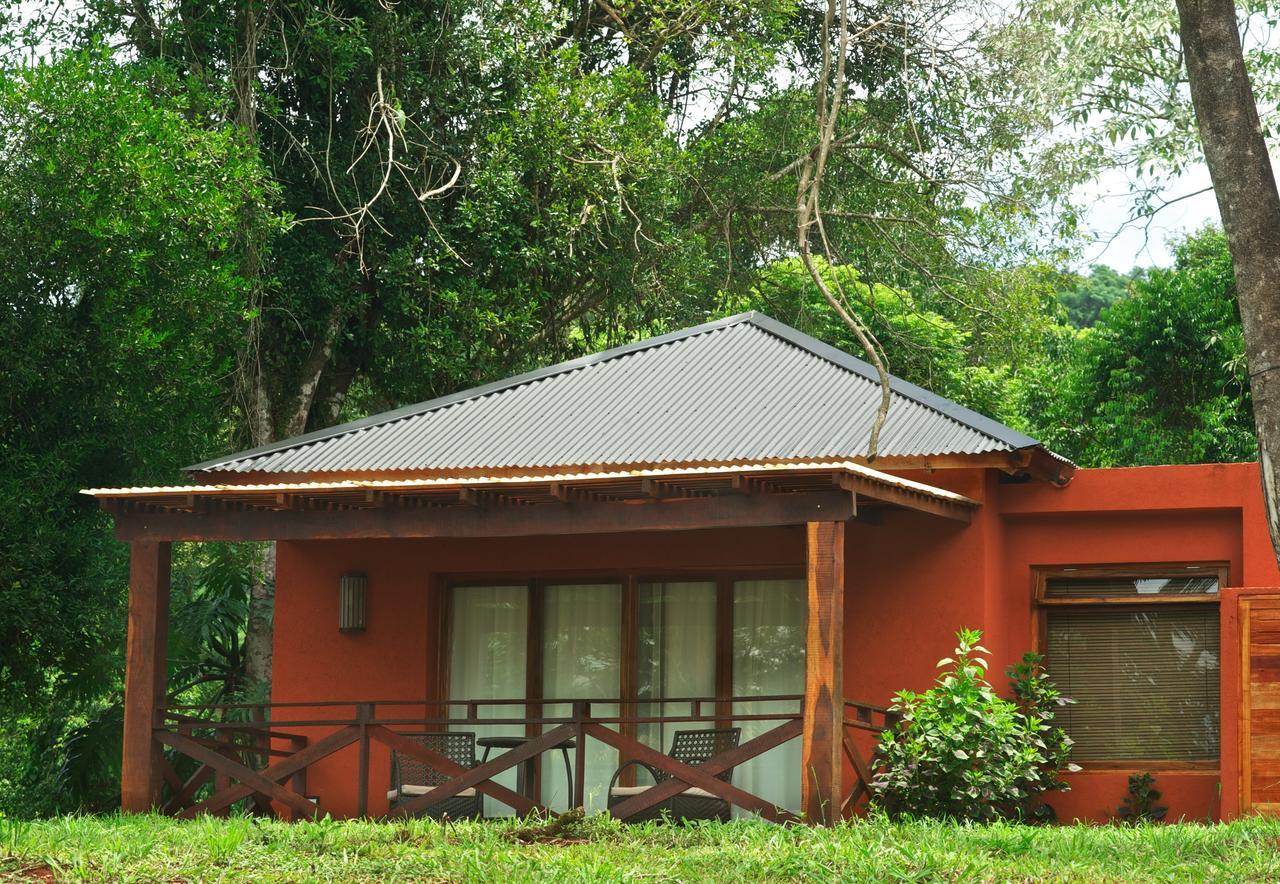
(768, 660)
(582, 660)
(675, 654)
(487, 661)
(648, 640)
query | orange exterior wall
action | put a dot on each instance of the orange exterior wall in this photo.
(1152, 514)
(912, 581)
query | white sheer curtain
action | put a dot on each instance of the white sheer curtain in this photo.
(768, 658)
(676, 653)
(581, 661)
(487, 660)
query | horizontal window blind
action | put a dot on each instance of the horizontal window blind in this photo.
(1145, 681)
(1136, 586)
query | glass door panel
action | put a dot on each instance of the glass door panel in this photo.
(582, 651)
(768, 659)
(487, 658)
(675, 654)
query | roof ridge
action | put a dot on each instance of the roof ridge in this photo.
(929, 399)
(386, 417)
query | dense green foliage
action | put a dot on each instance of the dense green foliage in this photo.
(120, 300)
(1085, 297)
(963, 752)
(242, 849)
(616, 169)
(990, 361)
(1038, 698)
(120, 309)
(1161, 377)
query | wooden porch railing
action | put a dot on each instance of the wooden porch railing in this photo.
(250, 752)
(867, 718)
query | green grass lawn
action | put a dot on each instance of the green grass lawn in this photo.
(148, 848)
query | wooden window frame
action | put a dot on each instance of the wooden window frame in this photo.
(629, 580)
(1042, 605)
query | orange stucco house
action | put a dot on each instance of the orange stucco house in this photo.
(569, 569)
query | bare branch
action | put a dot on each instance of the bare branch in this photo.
(385, 140)
(812, 167)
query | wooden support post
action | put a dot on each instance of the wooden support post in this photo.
(581, 711)
(146, 674)
(364, 714)
(822, 789)
(299, 781)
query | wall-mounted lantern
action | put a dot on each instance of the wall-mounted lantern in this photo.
(353, 600)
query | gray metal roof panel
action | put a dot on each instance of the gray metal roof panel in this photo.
(744, 388)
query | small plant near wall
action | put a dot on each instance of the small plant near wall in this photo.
(963, 752)
(1139, 806)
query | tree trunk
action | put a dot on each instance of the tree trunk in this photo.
(1245, 185)
(255, 398)
(311, 374)
(256, 652)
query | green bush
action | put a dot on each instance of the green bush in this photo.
(1039, 699)
(1140, 805)
(961, 751)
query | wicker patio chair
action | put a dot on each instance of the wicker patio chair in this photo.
(692, 748)
(411, 778)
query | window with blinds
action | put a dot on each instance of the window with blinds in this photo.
(1140, 662)
(1138, 587)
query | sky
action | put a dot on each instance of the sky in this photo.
(1118, 241)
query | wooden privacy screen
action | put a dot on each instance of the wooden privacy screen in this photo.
(1260, 705)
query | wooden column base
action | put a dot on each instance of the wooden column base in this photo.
(823, 765)
(146, 674)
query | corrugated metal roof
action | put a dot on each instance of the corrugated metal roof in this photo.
(745, 388)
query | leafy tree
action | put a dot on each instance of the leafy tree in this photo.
(1085, 297)
(1156, 87)
(1113, 73)
(477, 188)
(921, 345)
(1161, 377)
(1236, 152)
(119, 322)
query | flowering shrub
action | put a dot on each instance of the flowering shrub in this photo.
(961, 751)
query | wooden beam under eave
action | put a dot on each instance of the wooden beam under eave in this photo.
(1042, 465)
(484, 497)
(1001, 460)
(146, 674)
(960, 511)
(676, 514)
(822, 787)
(655, 489)
(567, 493)
(658, 489)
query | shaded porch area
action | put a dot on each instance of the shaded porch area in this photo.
(575, 673)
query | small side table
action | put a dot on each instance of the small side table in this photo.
(524, 772)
